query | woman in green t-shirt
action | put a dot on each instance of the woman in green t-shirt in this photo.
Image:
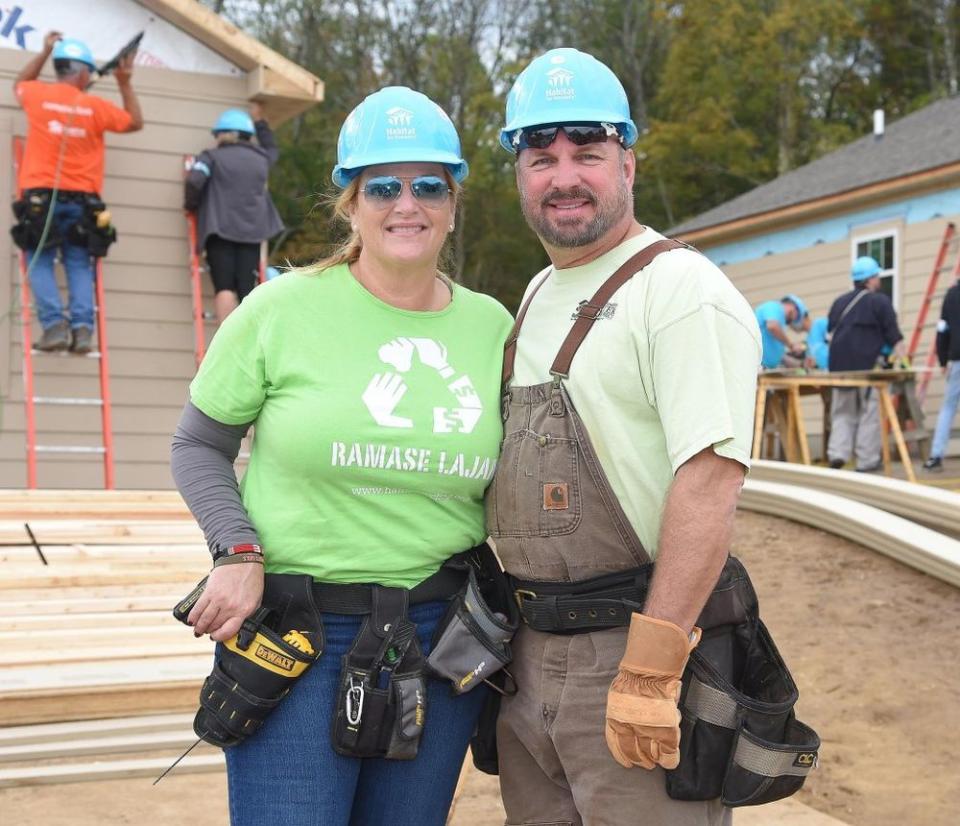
(373, 381)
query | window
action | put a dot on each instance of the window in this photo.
(883, 249)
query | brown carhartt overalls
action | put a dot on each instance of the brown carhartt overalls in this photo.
(554, 517)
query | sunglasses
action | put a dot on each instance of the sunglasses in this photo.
(429, 190)
(540, 137)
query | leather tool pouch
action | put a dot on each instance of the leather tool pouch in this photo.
(473, 640)
(31, 214)
(255, 670)
(739, 738)
(382, 698)
(88, 233)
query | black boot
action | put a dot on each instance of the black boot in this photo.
(55, 337)
(82, 341)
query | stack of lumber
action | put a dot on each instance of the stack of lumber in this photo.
(89, 636)
(884, 515)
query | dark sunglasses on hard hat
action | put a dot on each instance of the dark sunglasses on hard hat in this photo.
(430, 190)
(540, 137)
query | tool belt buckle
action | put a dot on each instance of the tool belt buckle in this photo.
(519, 594)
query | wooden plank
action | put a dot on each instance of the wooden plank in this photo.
(104, 677)
(136, 652)
(164, 600)
(84, 704)
(54, 732)
(178, 741)
(939, 509)
(24, 577)
(905, 541)
(154, 556)
(100, 532)
(22, 623)
(111, 770)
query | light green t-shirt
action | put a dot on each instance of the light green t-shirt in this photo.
(668, 369)
(377, 429)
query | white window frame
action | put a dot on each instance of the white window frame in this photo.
(863, 236)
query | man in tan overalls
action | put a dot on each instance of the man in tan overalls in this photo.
(628, 417)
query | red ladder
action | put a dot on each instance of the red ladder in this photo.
(941, 263)
(31, 400)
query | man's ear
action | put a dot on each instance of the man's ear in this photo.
(629, 166)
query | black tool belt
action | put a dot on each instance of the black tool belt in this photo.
(93, 231)
(594, 604)
(382, 700)
(64, 196)
(254, 670)
(739, 738)
(336, 598)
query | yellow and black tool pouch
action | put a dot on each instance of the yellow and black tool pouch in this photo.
(382, 699)
(739, 737)
(94, 230)
(255, 670)
(31, 210)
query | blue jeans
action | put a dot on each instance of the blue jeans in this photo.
(80, 273)
(951, 398)
(287, 774)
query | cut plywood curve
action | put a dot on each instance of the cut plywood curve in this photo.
(905, 541)
(939, 509)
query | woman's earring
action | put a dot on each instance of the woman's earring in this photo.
(451, 228)
(353, 227)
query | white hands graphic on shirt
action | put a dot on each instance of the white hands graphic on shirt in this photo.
(382, 396)
(386, 390)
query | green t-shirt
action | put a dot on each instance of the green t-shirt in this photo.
(669, 368)
(377, 429)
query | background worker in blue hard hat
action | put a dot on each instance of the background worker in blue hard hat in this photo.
(861, 322)
(818, 344)
(374, 383)
(63, 163)
(948, 353)
(227, 188)
(627, 445)
(779, 350)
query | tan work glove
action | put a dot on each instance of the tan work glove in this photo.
(643, 721)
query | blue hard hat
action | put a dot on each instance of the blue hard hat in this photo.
(567, 86)
(234, 120)
(797, 323)
(864, 267)
(69, 48)
(397, 125)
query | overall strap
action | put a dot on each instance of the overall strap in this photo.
(510, 347)
(591, 311)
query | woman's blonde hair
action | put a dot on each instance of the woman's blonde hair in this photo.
(348, 251)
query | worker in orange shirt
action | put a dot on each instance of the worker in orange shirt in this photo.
(62, 170)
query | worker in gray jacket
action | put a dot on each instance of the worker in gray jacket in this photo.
(227, 188)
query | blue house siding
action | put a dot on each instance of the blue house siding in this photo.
(839, 228)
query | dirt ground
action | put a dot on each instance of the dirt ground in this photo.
(874, 648)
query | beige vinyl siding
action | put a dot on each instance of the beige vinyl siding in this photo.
(148, 297)
(820, 273)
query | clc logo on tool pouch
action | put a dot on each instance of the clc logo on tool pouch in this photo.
(386, 390)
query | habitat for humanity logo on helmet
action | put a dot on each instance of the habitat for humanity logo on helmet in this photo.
(559, 81)
(399, 122)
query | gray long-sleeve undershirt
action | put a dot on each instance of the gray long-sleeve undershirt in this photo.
(201, 459)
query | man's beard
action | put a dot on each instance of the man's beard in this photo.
(574, 233)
